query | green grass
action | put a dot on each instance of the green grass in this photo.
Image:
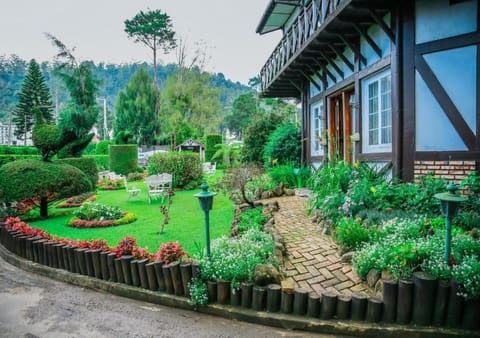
(187, 223)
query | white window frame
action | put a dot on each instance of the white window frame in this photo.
(317, 126)
(379, 147)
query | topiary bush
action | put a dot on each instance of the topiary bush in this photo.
(210, 149)
(4, 159)
(123, 158)
(283, 146)
(18, 150)
(27, 179)
(185, 167)
(102, 147)
(102, 161)
(87, 165)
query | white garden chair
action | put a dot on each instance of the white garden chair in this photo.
(132, 189)
(158, 186)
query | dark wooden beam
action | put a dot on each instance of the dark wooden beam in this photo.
(354, 48)
(309, 78)
(448, 43)
(367, 38)
(341, 56)
(445, 102)
(325, 69)
(332, 63)
(296, 86)
(382, 24)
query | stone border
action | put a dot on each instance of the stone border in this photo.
(17, 243)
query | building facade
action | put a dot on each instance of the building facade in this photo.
(381, 81)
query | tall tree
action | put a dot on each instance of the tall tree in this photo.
(34, 96)
(81, 113)
(135, 108)
(243, 111)
(153, 29)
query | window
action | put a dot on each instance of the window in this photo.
(377, 113)
(316, 132)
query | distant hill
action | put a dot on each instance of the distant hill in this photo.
(113, 78)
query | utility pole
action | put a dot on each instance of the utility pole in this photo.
(105, 128)
(10, 127)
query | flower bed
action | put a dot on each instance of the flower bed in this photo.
(76, 201)
(95, 215)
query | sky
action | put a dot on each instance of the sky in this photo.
(226, 29)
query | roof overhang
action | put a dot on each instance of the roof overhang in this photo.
(276, 15)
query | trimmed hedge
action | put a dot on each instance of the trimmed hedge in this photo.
(18, 150)
(123, 158)
(284, 146)
(4, 159)
(103, 161)
(211, 141)
(86, 164)
(185, 167)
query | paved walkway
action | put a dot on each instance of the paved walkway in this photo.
(312, 260)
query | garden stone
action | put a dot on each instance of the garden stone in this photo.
(267, 194)
(372, 277)
(273, 206)
(244, 206)
(347, 257)
(289, 192)
(278, 191)
(386, 275)
(266, 274)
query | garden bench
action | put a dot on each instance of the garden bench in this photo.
(209, 168)
(158, 186)
(132, 190)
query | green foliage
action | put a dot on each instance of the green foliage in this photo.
(135, 108)
(211, 141)
(47, 138)
(42, 178)
(14, 150)
(467, 274)
(123, 158)
(244, 109)
(256, 135)
(87, 165)
(351, 233)
(125, 137)
(290, 175)
(10, 158)
(102, 147)
(198, 292)
(185, 167)
(34, 97)
(234, 259)
(471, 184)
(229, 154)
(251, 219)
(102, 161)
(284, 146)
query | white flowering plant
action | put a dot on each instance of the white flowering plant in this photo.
(97, 211)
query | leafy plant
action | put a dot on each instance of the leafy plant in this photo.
(283, 146)
(251, 219)
(96, 211)
(170, 252)
(351, 233)
(291, 176)
(185, 167)
(198, 292)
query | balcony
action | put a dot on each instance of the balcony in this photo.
(320, 33)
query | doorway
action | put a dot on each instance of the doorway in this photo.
(340, 128)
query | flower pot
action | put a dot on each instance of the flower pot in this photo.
(212, 291)
(104, 271)
(80, 260)
(223, 292)
(97, 270)
(246, 294)
(134, 272)
(127, 270)
(112, 273)
(119, 270)
(158, 266)
(167, 278)
(235, 297)
(186, 272)
(151, 276)
(142, 272)
(89, 263)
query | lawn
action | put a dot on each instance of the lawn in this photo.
(187, 224)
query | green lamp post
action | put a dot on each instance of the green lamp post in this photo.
(449, 203)
(205, 198)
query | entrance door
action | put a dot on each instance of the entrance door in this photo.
(340, 125)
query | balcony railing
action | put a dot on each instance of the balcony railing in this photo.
(314, 14)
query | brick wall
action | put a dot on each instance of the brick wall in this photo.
(449, 170)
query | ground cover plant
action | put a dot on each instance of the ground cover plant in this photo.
(186, 223)
(397, 227)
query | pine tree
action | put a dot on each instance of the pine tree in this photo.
(34, 96)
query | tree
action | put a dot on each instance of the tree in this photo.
(34, 96)
(284, 146)
(153, 29)
(79, 117)
(44, 179)
(244, 110)
(136, 108)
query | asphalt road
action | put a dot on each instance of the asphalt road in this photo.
(35, 306)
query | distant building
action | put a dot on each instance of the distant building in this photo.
(7, 136)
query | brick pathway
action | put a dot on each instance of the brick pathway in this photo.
(312, 260)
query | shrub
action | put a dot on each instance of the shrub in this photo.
(102, 147)
(351, 234)
(18, 150)
(123, 158)
(290, 176)
(284, 146)
(251, 219)
(4, 159)
(102, 161)
(86, 164)
(135, 176)
(198, 292)
(170, 252)
(96, 211)
(185, 167)
(211, 141)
